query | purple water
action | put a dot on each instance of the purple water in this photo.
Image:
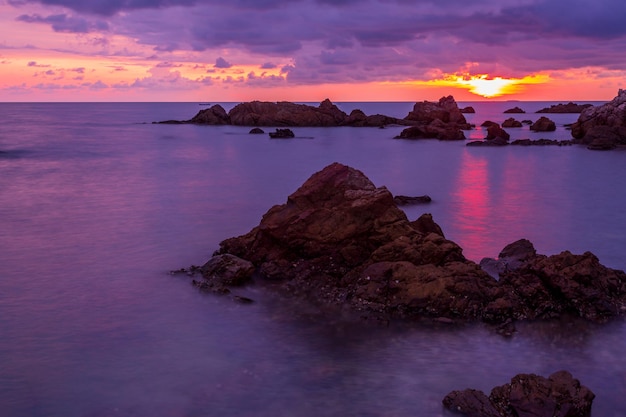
(97, 205)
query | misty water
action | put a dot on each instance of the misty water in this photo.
(97, 205)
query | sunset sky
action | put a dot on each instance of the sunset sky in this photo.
(308, 50)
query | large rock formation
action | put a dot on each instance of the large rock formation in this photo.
(284, 113)
(603, 127)
(442, 120)
(340, 241)
(527, 395)
(214, 115)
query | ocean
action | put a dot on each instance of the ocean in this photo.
(97, 205)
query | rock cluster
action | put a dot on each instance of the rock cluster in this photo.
(442, 120)
(341, 242)
(603, 127)
(284, 113)
(527, 395)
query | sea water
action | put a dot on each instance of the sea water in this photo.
(97, 204)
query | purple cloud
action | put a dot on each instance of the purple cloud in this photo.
(65, 23)
(222, 63)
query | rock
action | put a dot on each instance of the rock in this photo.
(403, 200)
(494, 131)
(468, 109)
(359, 119)
(488, 123)
(542, 142)
(564, 108)
(256, 131)
(511, 258)
(527, 122)
(605, 124)
(227, 270)
(214, 115)
(488, 143)
(603, 143)
(284, 113)
(435, 130)
(514, 110)
(511, 122)
(543, 125)
(342, 243)
(446, 110)
(282, 134)
(527, 395)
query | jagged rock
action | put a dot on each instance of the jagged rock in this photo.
(446, 110)
(605, 125)
(214, 115)
(527, 395)
(282, 134)
(511, 122)
(341, 242)
(564, 108)
(284, 113)
(543, 125)
(514, 110)
(494, 131)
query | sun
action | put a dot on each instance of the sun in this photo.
(487, 87)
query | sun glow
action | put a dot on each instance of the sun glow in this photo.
(488, 87)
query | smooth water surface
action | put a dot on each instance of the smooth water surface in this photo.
(97, 205)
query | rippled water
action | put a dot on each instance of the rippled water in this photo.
(97, 205)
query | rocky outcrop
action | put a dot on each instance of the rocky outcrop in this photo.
(603, 127)
(442, 120)
(527, 395)
(564, 108)
(214, 115)
(341, 242)
(511, 122)
(468, 110)
(284, 113)
(359, 119)
(514, 110)
(543, 125)
(494, 131)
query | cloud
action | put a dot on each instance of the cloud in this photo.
(349, 40)
(222, 63)
(66, 23)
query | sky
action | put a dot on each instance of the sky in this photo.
(309, 50)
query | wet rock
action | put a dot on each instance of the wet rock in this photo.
(494, 131)
(214, 115)
(564, 108)
(605, 125)
(227, 270)
(514, 110)
(511, 122)
(527, 395)
(282, 134)
(403, 200)
(543, 125)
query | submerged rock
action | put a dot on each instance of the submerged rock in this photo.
(282, 134)
(527, 395)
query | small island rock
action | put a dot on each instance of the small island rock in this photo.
(543, 125)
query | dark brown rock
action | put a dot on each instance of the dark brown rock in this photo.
(488, 143)
(603, 127)
(494, 131)
(256, 131)
(446, 110)
(403, 200)
(214, 115)
(282, 134)
(514, 110)
(435, 130)
(488, 123)
(511, 122)
(468, 110)
(564, 108)
(543, 125)
(284, 113)
(527, 395)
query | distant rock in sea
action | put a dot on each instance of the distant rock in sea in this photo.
(564, 108)
(514, 110)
